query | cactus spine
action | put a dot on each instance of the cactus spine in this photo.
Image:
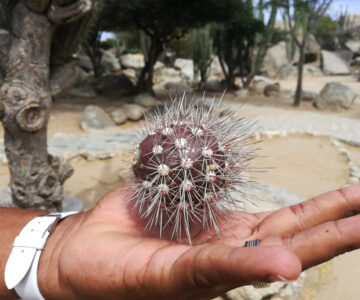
(188, 166)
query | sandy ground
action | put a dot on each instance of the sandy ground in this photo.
(303, 164)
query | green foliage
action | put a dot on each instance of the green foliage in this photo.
(279, 35)
(235, 39)
(326, 27)
(108, 44)
(164, 19)
(202, 50)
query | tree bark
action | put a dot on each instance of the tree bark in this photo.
(145, 82)
(298, 92)
(36, 177)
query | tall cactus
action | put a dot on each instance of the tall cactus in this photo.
(202, 50)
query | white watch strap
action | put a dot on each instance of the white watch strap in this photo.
(21, 267)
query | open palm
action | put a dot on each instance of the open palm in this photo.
(105, 254)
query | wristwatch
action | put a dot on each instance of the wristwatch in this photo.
(21, 267)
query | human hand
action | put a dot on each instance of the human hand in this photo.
(105, 254)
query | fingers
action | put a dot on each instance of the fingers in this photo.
(323, 242)
(327, 207)
(221, 265)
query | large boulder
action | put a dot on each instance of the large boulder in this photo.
(186, 67)
(312, 49)
(277, 56)
(115, 84)
(353, 46)
(132, 61)
(335, 96)
(335, 63)
(163, 76)
(82, 91)
(109, 62)
(84, 62)
(289, 71)
(65, 77)
(95, 118)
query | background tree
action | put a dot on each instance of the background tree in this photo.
(234, 40)
(241, 42)
(308, 13)
(162, 21)
(26, 33)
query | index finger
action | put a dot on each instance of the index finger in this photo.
(327, 207)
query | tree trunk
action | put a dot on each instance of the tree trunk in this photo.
(36, 177)
(297, 98)
(145, 82)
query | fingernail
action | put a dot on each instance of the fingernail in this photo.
(279, 278)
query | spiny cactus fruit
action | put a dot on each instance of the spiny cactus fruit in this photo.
(188, 165)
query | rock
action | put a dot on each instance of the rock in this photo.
(82, 91)
(132, 61)
(272, 90)
(109, 62)
(312, 71)
(215, 68)
(335, 96)
(353, 46)
(84, 62)
(177, 87)
(333, 63)
(289, 71)
(312, 49)
(186, 67)
(259, 83)
(276, 57)
(115, 84)
(242, 93)
(165, 75)
(308, 95)
(95, 118)
(133, 111)
(286, 71)
(214, 85)
(131, 73)
(65, 77)
(159, 65)
(145, 100)
(118, 115)
(356, 62)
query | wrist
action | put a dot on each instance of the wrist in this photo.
(12, 222)
(51, 278)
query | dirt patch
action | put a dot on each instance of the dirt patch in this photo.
(304, 165)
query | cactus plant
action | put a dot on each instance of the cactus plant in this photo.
(189, 164)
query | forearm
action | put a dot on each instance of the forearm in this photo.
(12, 221)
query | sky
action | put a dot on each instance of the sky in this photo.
(351, 6)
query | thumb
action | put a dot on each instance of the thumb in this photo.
(209, 266)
